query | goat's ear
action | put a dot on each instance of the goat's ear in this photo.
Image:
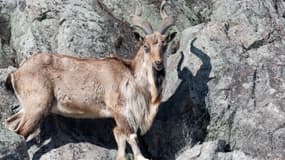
(171, 36)
(138, 37)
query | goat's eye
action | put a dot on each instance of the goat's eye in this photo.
(146, 48)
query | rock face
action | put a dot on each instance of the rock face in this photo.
(212, 150)
(224, 96)
(12, 147)
(80, 28)
(245, 98)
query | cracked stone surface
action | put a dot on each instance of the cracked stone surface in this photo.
(225, 92)
(212, 150)
(12, 146)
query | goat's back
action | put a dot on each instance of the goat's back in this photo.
(81, 88)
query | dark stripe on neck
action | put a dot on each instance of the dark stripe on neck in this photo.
(158, 77)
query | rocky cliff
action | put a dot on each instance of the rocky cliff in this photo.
(225, 92)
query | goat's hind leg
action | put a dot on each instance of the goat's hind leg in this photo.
(13, 121)
(32, 118)
(35, 95)
(35, 108)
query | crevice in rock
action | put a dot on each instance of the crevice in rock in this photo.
(270, 38)
(226, 29)
(255, 45)
(276, 6)
(7, 53)
(48, 14)
(231, 123)
(253, 87)
(5, 28)
(42, 16)
(227, 148)
(279, 7)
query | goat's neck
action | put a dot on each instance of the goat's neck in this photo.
(147, 77)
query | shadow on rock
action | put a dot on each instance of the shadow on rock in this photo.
(57, 131)
(183, 119)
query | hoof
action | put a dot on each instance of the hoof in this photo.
(121, 158)
(140, 157)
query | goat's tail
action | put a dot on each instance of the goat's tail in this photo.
(8, 83)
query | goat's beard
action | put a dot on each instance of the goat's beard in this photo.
(158, 76)
(158, 67)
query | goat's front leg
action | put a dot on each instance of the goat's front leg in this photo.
(121, 142)
(123, 133)
(132, 140)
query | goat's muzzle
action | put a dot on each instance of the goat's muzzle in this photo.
(158, 65)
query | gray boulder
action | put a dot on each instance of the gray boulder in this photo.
(82, 28)
(12, 147)
(212, 150)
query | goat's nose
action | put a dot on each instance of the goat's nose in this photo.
(158, 62)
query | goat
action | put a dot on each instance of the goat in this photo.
(128, 91)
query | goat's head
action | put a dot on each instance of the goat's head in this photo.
(154, 42)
